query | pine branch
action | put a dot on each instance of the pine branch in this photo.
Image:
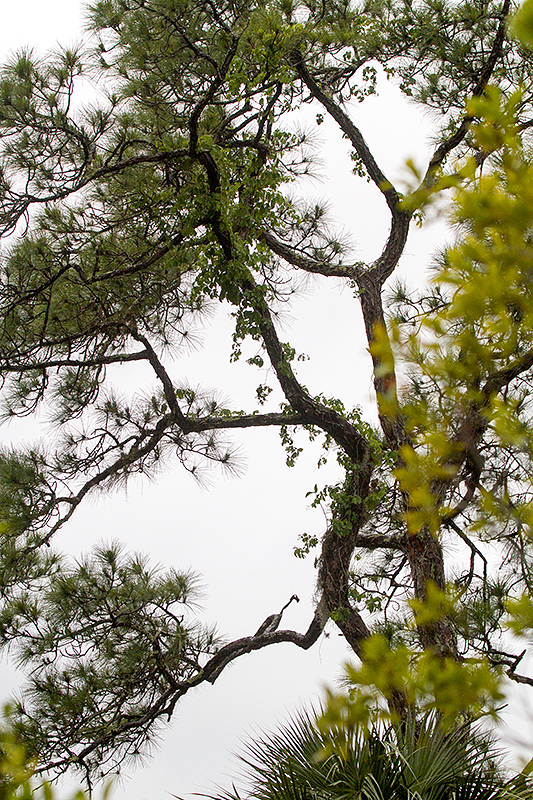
(446, 147)
(293, 256)
(165, 705)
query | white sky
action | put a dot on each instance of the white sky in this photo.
(239, 533)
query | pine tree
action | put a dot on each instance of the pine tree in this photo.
(131, 217)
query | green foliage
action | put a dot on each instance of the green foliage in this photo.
(103, 639)
(521, 614)
(16, 770)
(332, 758)
(428, 681)
(176, 193)
(464, 348)
(522, 24)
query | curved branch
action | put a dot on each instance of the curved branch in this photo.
(298, 259)
(350, 130)
(464, 502)
(383, 267)
(231, 651)
(314, 412)
(165, 705)
(371, 281)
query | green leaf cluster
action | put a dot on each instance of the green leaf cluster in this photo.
(427, 682)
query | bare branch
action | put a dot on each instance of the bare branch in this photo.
(245, 421)
(376, 541)
(293, 256)
(120, 358)
(350, 130)
(474, 551)
(162, 374)
(500, 379)
(519, 678)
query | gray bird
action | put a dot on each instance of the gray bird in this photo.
(272, 622)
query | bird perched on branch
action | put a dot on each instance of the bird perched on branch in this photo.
(272, 622)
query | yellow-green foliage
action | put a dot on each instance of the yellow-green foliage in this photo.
(427, 682)
(16, 770)
(520, 615)
(522, 24)
(485, 328)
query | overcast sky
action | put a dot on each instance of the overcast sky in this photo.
(239, 533)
